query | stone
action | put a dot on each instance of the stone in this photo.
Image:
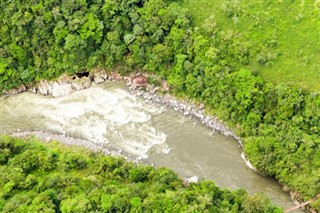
(154, 90)
(86, 83)
(165, 85)
(139, 80)
(286, 188)
(98, 79)
(45, 87)
(64, 78)
(202, 106)
(59, 90)
(81, 83)
(16, 90)
(193, 179)
(21, 88)
(115, 76)
(98, 76)
(33, 89)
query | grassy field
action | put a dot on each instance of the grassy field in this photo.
(284, 35)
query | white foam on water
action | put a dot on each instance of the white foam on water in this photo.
(99, 114)
(138, 138)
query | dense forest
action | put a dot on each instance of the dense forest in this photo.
(37, 177)
(279, 123)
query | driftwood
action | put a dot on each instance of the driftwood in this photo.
(304, 204)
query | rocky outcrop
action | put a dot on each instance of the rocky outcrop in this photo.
(16, 90)
(115, 76)
(60, 89)
(139, 80)
(98, 76)
(81, 83)
(44, 87)
(65, 84)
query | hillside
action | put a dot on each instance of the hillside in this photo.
(282, 37)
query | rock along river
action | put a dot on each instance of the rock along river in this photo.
(108, 115)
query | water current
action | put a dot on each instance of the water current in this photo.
(108, 114)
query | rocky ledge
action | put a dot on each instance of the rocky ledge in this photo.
(64, 85)
(67, 84)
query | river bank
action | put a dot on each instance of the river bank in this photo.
(72, 141)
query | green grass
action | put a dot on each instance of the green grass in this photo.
(283, 33)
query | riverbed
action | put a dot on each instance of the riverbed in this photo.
(108, 115)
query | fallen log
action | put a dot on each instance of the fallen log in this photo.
(303, 204)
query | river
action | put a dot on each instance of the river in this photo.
(108, 114)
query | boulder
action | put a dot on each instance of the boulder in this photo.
(115, 76)
(21, 88)
(98, 79)
(61, 89)
(193, 179)
(165, 86)
(139, 81)
(33, 89)
(16, 90)
(202, 106)
(98, 76)
(45, 87)
(64, 78)
(81, 83)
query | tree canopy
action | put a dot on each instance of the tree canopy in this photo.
(37, 177)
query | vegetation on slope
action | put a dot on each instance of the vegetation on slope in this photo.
(282, 36)
(279, 123)
(37, 177)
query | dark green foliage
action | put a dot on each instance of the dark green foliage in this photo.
(259, 204)
(116, 186)
(139, 174)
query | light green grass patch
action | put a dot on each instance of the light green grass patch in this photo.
(284, 35)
